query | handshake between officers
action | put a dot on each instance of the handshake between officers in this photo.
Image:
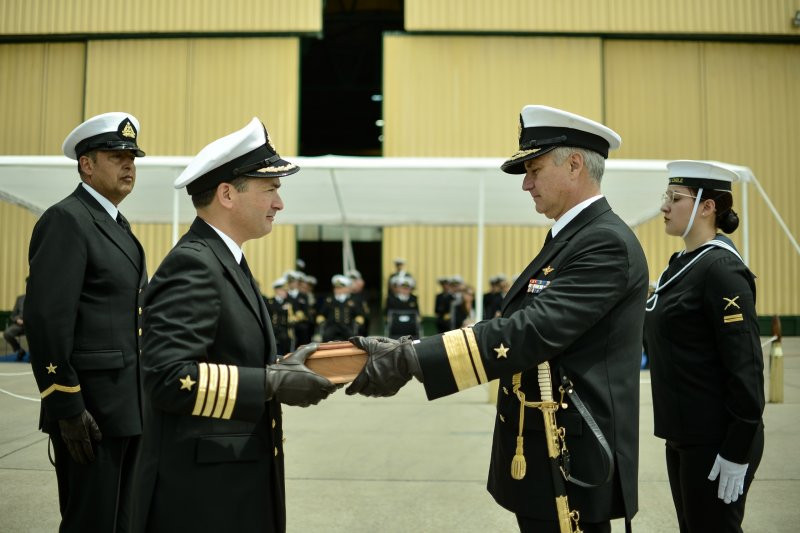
(211, 455)
(570, 327)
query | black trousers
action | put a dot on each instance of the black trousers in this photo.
(95, 497)
(695, 497)
(531, 525)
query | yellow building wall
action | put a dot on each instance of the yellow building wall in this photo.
(25, 17)
(16, 225)
(41, 96)
(768, 17)
(461, 96)
(196, 90)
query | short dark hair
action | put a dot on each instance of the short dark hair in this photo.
(203, 199)
(91, 154)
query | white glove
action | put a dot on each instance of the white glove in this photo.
(731, 479)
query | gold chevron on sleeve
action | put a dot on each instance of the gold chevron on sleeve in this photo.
(727, 319)
(222, 391)
(213, 384)
(458, 344)
(233, 387)
(61, 388)
(202, 388)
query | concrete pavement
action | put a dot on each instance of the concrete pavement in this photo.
(405, 464)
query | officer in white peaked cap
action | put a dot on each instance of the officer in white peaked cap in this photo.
(213, 386)
(83, 324)
(577, 307)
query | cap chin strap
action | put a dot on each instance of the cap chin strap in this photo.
(694, 212)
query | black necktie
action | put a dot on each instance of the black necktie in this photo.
(245, 268)
(549, 236)
(123, 222)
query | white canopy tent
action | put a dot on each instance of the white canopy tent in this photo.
(356, 191)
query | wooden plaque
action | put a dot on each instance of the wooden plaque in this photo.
(339, 361)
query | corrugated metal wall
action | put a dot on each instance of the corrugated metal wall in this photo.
(771, 17)
(16, 225)
(41, 96)
(22, 17)
(461, 96)
(196, 90)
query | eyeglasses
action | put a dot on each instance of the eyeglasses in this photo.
(669, 197)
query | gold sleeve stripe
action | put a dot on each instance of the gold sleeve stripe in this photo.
(213, 384)
(61, 388)
(233, 387)
(475, 353)
(202, 388)
(455, 344)
(222, 391)
(733, 318)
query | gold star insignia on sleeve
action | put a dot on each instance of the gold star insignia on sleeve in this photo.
(187, 382)
(731, 302)
(51, 369)
(502, 351)
(546, 270)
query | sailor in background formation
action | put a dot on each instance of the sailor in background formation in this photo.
(303, 310)
(492, 300)
(340, 316)
(402, 309)
(282, 313)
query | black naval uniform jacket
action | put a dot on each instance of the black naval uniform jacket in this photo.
(282, 315)
(580, 306)
(340, 320)
(396, 309)
(706, 362)
(82, 316)
(211, 456)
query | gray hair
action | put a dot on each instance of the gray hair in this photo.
(594, 162)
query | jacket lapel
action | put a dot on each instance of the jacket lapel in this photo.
(224, 255)
(552, 248)
(130, 247)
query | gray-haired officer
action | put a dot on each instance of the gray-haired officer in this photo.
(82, 319)
(578, 306)
(211, 457)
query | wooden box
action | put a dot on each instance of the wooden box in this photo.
(339, 361)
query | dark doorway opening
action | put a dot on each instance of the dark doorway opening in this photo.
(324, 259)
(341, 78)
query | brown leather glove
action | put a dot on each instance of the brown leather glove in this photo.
(291, 382)
(78, 433)
(391, 364)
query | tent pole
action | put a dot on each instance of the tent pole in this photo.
(348, 260)
(175, 204)
(478, 303)
(746, 223)
(777, 215)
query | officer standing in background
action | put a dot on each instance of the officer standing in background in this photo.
(211, 457)
(360, 298)
(303, 311)
(87, 273)
(280, 309)
(578, 306)
(339, 316)
(402, 310)
(493, 299)
(443, 303)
